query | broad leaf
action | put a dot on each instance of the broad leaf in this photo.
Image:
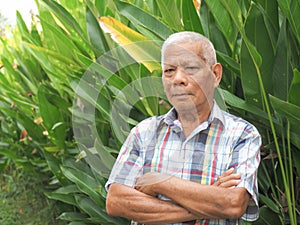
(137, 45)
(190, 17)
(170, 13)
(139, 17)
(291, 9)
(257, 32)
(95, 33)
(294, 97)
(51, 116)
(85, 183)
(223, 21)
(289, 111)
(282, 71)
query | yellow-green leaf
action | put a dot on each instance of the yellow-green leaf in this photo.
(139, 47)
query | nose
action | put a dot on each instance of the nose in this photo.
(180, 77)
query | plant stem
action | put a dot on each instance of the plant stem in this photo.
(281, 164)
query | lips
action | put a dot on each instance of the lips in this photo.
(181, 95)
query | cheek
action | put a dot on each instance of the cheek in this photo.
(166, 83)
(205, 81)
(167, 86)
(205, 85)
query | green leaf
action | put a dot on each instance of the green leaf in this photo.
(272, 205)
(34, 130)
(137, 46)
(13, 74)
(220, 99)
(223, 21)
(41, 55)
(239, 103)
(170, 13)
(65, 17)
(77, 223)
(51, 115)
(205, 19)
(10, 154)
(94, 160)
(190, 17)
(288, 110)
(53, 164)
(249, 76)
(60, 41)
(69, 189)
(98, 215)
(91, 94)
(66, 198)
(85, 183)
(272, 26)
(259, 35)
(282, 71)
(73, 216)
(267, 217)
(228, 62)
(295, 87)
(291, 9)
(105, 156)
(235, 12)
(139, 17)
(271, 9)
(22, 25)
(95, 33)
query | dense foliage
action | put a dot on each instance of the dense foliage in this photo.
(85, 72)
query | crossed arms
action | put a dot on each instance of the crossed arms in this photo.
(188, 200)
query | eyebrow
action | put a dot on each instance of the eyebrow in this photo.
(184, 63)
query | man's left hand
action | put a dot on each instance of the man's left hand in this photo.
(148, 181)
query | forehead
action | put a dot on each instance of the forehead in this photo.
(182, 54)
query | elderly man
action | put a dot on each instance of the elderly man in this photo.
(195, 165)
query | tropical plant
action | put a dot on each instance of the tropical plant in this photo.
(76, 88)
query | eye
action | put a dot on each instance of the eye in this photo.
(191, 69)
(169, 71)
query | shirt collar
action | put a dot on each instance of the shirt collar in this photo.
(216, 114)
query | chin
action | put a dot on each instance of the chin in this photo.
(185, 107)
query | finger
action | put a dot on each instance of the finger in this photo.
(235, 176)
(228, 172)
(229, 184)
(227, 180)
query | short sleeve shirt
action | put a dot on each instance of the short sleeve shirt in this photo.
(158, 144)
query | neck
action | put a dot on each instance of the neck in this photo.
(191, 119)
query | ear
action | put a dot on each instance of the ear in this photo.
(218, 71)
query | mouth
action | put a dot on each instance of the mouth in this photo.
(181, 95)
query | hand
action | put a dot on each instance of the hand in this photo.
(228, 179)
(148, 182)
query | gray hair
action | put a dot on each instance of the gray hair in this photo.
(208, 53)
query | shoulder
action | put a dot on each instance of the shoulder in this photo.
(230, 122)
(147, 127)
(150, 123)
(240, 130)
(235, 122)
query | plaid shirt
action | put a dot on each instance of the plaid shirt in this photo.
(158, 144)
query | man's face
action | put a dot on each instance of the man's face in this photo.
(188, 81)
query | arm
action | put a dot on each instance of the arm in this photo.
(128, 202)
(202, 200)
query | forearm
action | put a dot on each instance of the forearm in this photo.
(203, 200)
(129, 203)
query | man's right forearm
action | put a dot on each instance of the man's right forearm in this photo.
(127, 202)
